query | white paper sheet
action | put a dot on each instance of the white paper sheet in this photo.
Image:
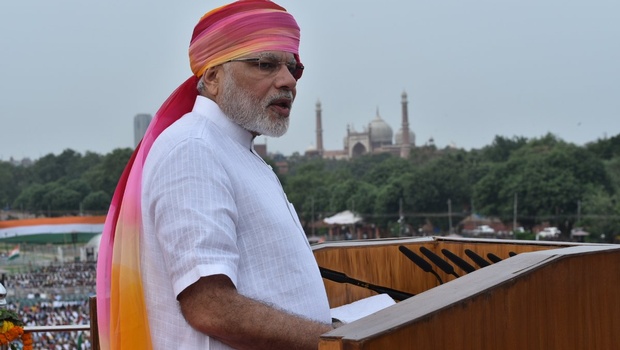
(362, 308)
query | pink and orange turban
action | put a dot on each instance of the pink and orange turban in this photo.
(228, 32)
(243, 27)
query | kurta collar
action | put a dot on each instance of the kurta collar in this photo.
(210, 110)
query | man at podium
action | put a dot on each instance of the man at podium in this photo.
(221, 260)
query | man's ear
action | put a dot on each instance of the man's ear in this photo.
(212, 79)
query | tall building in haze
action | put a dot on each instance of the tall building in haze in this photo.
(140, 124)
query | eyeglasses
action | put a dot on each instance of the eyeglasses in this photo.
(271, 66)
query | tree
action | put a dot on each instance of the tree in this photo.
(428, 189)
(387, 204)
(7, 185)
(307, 187)
(31, 198)
(47, 169)
(423, 154)
(60, 199)
(342, 195)
(377, 173)
(87, 161)
(53, 168)
(601, 213)
(360, 166)
(364, 198)
(96, 201)
(502, 147)
(605, 149)
(354, 195)
(548, 176)
(105, 175)
(612, 167)
(80, 186)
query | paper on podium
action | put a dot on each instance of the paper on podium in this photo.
(362, 308)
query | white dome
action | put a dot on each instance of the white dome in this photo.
(380, 131)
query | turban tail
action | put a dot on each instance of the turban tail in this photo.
(228, 32)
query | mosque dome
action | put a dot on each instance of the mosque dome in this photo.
(380, 131)
(311, 151)
(398, 138)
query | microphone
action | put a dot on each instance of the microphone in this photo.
(477, 258)
(418, 260)
(494, 258)
(441, 263)
(342, 278)
(464, 265)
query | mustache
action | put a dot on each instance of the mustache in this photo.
(284, 95)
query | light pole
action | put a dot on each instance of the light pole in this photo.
(401, 217)
(450, 215)
(312, 220)
(514, 215)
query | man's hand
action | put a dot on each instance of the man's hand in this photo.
(213, 306)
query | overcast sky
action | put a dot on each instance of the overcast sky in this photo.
(74, 73)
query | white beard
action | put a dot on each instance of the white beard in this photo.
(249, 112)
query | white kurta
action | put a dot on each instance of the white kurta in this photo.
(211, 205)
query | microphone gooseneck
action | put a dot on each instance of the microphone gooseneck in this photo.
(464, 265)
(494, 258)
(480, 261)
(340, 277)
(437, 260)
(418, 260)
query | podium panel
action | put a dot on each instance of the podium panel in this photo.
(539, 296)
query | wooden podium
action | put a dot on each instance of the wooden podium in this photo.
(541, 295)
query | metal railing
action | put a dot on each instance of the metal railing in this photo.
(63, 328)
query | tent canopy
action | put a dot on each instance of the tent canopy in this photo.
(579, 233)
(343, 218)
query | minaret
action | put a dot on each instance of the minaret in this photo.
(319, 129)
(406, 145)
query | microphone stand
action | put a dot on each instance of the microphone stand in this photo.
(342, 278)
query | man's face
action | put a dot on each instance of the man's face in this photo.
(258, 92)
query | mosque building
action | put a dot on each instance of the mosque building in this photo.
(376, 138)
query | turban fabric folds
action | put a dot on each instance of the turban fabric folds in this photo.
(243, 27)
(228, 32)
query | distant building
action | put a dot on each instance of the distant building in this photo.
(282, 167)
(25, 162)
(140, 124)
(261, 149)
(377, 137)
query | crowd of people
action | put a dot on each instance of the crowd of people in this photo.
(55, 277)
(46, 296)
